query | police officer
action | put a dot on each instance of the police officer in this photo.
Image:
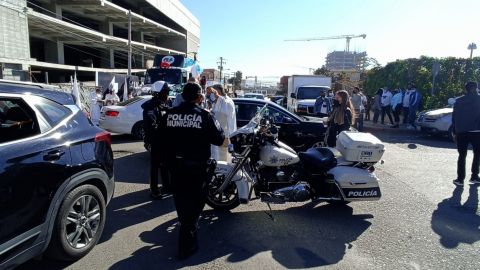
(152, 113)
(189, 131)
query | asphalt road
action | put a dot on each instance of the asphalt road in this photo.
(422, 222)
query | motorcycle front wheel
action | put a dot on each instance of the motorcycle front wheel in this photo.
(225, 201)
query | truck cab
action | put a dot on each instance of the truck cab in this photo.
(302, 100)
(303, 91)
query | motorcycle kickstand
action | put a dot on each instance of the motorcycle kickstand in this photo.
(270, 212)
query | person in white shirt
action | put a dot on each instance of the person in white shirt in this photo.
(96, 103)
(223, 110)
(111, 98)
(386, 103)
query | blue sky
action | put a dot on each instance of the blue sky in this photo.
(250, 34)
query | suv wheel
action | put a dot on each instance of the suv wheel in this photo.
(78, 225)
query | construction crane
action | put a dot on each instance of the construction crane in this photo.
(346, 37)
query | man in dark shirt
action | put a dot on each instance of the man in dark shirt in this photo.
(189, 131)
(466, 127)
(152, 113)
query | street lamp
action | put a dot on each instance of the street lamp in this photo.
(472, 46)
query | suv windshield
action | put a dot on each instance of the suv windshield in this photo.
(311, 92)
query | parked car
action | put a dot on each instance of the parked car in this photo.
(56, 176)
(438, 121)
(299, 132)
(275, 98)
(125, 118)
(254, 95)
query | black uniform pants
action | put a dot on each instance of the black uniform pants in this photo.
(189, 194)
(386, 110)
(463, 140)
(156, 164)
(396, 113)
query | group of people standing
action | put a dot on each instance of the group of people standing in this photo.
(399, 102)
(184, 137)
(98, 100)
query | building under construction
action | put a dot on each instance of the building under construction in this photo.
(49, 40)
(339, 61)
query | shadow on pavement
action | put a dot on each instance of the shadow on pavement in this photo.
(414, 139)
(133, 168)
(132, 209)
(456, 223)
(123, 138)
(300, 237)
(122, 212)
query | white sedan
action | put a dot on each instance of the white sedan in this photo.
(125, 118)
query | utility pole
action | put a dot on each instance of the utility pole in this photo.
(472, 46)
(220, 63)
(129, 43)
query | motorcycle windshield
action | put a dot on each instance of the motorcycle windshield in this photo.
(250, 127)
(263, 112)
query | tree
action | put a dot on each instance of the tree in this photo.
(453, 74)
(323, 71)
(237, 80)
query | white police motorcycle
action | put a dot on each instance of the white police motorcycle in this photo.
(272, 171)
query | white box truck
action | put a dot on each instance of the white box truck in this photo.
(303, 91)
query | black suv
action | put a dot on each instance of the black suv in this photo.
(299, 132)
(56, 176)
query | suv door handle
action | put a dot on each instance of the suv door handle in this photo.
(53, 155)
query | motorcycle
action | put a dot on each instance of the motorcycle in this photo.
(272, 171)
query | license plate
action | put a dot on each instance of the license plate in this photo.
(358, 193)
(366, 154)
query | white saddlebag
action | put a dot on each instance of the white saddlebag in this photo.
(360, 146)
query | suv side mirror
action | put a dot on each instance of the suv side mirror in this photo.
(293, 95)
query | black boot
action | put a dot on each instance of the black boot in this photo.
(156, 194)
(188, 244)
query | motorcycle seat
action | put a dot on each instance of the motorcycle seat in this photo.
(318, 160)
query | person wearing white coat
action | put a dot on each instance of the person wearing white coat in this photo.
(223, 109)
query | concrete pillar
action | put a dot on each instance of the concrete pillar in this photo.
(142, 39)
(60, 52)
(58, 11)
(112, 53)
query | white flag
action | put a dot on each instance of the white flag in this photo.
(112, 84)
(76, 92)
(125, 90)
